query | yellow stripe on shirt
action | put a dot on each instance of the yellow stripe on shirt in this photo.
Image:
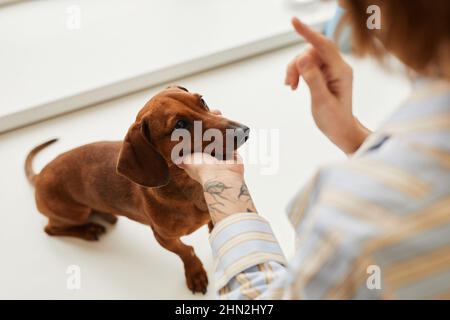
(358, 207)
(246, 286)
(236, 240)
(223, 224)
(442, 296)
(301, 202)
(428, 218)
(440, 155)
(390, 176)
(247, 261)
(324, 249)
(436, 123)
(416, 268)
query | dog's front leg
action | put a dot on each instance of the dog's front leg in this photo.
(196, 277)
(210, 226)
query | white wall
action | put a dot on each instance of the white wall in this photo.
(60, 55)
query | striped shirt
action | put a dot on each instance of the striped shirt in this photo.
(376, 226)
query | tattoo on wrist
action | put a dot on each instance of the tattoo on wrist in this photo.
(222, 198)
(215, 189)
(243, 192)
(245, 196)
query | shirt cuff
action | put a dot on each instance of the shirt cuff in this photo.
(241, 241)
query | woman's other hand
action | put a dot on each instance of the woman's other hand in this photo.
(329, 79)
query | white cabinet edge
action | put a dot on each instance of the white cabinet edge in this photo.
(139, 82)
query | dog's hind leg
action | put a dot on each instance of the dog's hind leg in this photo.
(196, 277)
(90, 231)
(67, 218)
(107, 217)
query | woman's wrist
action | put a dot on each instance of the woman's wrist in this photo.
(353, 138)
(223, 184)
(214, 173)
(225, 194)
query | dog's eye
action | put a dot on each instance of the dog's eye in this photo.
(203, 102)
(181, 124)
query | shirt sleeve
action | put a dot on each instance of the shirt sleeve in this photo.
(248, 258)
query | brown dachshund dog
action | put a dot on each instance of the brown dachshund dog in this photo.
(135, 178)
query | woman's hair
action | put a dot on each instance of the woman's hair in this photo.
(416, 31)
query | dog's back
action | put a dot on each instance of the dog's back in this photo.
(83, 177)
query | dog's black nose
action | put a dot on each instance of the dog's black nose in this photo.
(246, 132)
(238, 134)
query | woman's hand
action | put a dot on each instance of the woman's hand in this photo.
(223, 184)
(329, 79)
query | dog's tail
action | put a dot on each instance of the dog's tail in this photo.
(31, 175)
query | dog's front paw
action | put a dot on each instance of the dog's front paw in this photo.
(196, 277)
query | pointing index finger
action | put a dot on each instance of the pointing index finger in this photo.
(317, 40)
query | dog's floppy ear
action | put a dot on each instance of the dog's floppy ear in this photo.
(138, 159)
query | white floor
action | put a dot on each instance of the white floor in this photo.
(128, 263)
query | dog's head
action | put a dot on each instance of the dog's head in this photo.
(147, 148)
